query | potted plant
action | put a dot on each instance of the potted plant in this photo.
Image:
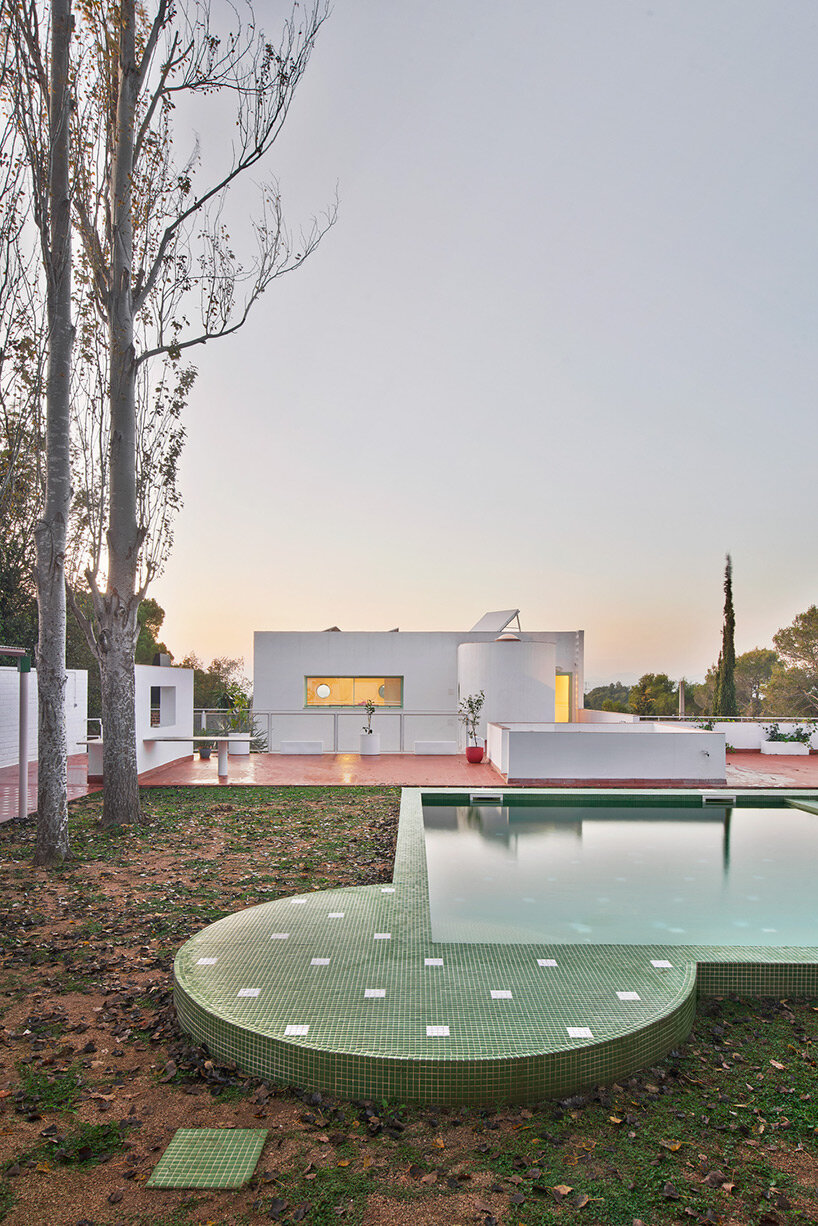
(370, 741)
(204, 748)
(469, 716)
(787, 741)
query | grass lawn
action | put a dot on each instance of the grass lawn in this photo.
(95, 1075)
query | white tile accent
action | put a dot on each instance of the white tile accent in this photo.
(387, 889)
(336, 915)
(546, 962)
(578, 1032)
(433, 961)
(207, 962)
(319, 962)
(249, 991)
(279, 936)
(661, 964)
(374, 993)
(296, 1029)
(437, 1032)
(500, 994)
(383, 936)
(629, 996)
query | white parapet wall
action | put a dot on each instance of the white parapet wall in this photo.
(615, 751)
(76, 713)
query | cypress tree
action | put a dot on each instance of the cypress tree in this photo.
(724, 695)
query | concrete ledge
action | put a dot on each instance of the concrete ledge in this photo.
(301, 747)
(435, 747)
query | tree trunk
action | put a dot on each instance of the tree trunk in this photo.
(116, 611)
(50, 533)
(120, 786)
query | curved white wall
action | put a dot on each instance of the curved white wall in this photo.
(517, 678)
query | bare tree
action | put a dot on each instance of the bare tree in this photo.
(36, 89)
(155, 247)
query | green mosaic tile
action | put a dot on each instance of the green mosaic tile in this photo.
(309, 991)
(209, 1158)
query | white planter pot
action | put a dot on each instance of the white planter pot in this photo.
(784, 747)
(238, 747)
(370, 744)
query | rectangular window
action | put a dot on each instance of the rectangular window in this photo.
(353, 691)
(163, 705)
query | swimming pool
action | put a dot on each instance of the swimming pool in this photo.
(619, 875)
(352, 992)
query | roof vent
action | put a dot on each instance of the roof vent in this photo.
(508, 637)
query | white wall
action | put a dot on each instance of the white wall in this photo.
(751, 735)
(607, 751)
(76, 713)
(150, 754)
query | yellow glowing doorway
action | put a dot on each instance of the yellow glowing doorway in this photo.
(562, 699)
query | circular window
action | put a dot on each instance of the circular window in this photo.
(381, 689)
(322, 690)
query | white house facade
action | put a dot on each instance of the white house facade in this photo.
(309, 687)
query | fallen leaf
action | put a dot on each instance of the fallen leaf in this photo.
(776, 1064)
(614, 1119)
(669, 1191)
(344, 1161)
(673, 1146)
(561, 1191)
(579, 1202)
(440, 1143)
(431, 1177)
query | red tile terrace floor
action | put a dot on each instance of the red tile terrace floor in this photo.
(748, 769)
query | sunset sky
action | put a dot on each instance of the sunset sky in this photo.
(559, 351)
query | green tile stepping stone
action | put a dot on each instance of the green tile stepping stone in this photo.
(209, 1158)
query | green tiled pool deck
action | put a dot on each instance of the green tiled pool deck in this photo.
(345, 991)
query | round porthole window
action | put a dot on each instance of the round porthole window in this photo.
(381, 689)
(322, 690)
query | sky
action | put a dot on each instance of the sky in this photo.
(558, 352)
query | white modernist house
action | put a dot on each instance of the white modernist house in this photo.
(309, 690)
(312, 685)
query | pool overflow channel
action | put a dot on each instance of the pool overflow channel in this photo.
(351, 991)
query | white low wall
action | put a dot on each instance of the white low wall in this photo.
(324, 726)
(76, 713)
(747, 734)
(606, 751)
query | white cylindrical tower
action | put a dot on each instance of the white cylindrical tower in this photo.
(516, 675)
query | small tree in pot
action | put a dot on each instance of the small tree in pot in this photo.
(469, 715)
(370, 741)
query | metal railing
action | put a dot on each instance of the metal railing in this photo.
(263, 722)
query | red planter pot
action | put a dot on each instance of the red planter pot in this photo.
(474, 753)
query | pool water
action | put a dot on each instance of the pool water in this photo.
(619, 875)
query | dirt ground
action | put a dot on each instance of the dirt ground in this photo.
(96, 1076)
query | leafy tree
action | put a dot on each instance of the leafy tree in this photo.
(611, 697)
(221, 685)
(793, 685)
(654, 694)
(753, 672)
(724, 694)
(154, 242)
(150, 618)
(35, 87)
